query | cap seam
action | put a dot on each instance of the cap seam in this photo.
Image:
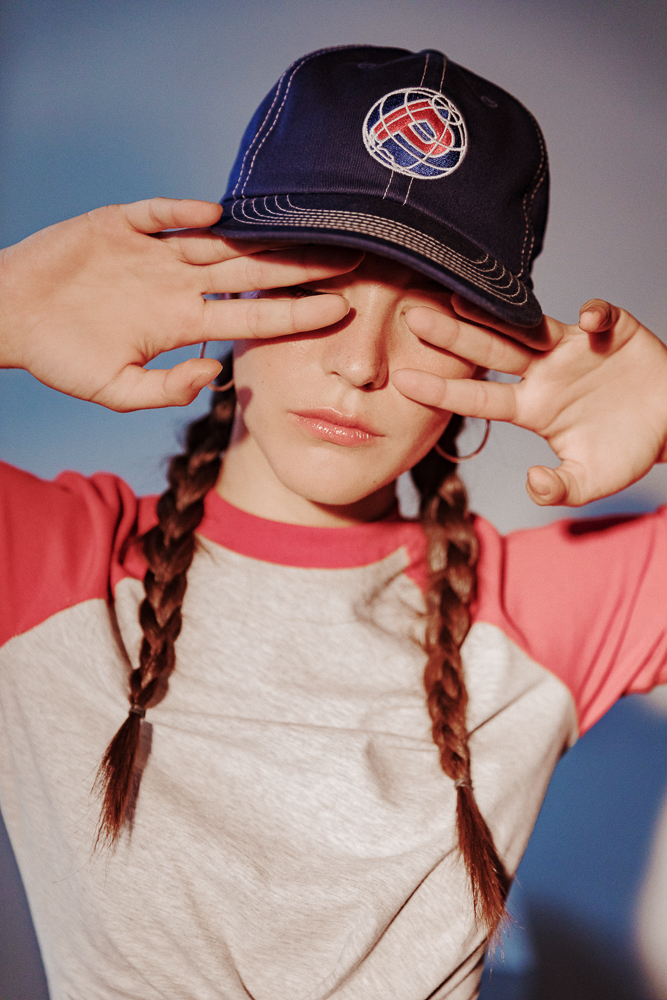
(258, 133)
(538, 177)
(421, 82)
(295, 69)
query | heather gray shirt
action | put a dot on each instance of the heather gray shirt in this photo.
(293, 836)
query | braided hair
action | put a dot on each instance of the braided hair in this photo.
(169, 548)
(453, 550)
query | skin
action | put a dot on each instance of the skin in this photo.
(598, 398)
(85, 304)
(275, 467)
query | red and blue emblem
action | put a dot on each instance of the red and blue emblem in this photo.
(416, 131)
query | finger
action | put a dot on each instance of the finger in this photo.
(607, 326)
(597, 315)
(156, 214)
(563, 486)
(201, 246)
(545, 487)
(469, 397)
(280, 268)
(137, 388)
(483, 347)
(239, 319)
(542, 337)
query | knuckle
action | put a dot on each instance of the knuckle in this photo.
(480, 399)
(489, 355)
(253, 318)
(247, 266)
(152, 212)
(255, 273)
(295, 307)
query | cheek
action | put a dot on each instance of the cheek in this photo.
(269, 369)
(421, 427)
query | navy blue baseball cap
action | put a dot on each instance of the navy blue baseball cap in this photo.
(404, 154)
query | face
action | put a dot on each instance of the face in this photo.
(321, 434)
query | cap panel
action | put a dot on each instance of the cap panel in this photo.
(312, 134)
(485, 198)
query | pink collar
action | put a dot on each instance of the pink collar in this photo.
(298, 545)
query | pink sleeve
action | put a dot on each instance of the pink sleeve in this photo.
(585, 599)
(63, 542)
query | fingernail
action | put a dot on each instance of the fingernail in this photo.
(540, 486)
(542, 491)
(201, 380)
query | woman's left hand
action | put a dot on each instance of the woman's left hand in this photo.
(598, 397)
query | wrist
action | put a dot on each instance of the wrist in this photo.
(14, 310)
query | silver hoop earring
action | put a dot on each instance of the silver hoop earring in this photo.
(212, 386)
(464, 458)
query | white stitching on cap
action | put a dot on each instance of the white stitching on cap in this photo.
(537, 180)
(421, 82)
(399, 233)
(497, 280)
(258, 132)
(296, 68)
(436, 100)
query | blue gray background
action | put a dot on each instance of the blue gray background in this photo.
(115, 101)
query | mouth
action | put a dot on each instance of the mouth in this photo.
(339, 428)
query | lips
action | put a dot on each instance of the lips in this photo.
(339, 428)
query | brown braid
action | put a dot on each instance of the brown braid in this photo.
(452, 550)
(452, 553)
(169, 548)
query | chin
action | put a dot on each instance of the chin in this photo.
(332, 495)
(332, 485)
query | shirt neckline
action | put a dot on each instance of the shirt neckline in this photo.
(302, 545)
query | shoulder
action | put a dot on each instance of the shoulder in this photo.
(63, 541)
(584, 598)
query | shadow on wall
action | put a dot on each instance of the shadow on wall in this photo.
(21, 971)
(569, 962)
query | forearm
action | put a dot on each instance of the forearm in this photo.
(14, 309)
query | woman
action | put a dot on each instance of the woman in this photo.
(284, 812)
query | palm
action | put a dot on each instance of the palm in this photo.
(598, 396)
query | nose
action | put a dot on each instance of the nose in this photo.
(359, 350)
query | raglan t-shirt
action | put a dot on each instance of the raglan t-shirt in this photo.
(293, 836)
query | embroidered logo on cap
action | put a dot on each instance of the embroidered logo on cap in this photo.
(416, 131)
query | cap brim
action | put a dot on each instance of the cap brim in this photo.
(382, 227)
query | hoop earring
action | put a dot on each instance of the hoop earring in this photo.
(464, 458)
(212, 386)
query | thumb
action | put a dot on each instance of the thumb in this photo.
(551, 487)
(137, 388)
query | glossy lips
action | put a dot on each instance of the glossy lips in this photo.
(339, 428)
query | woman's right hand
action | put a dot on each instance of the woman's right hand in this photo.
(86, 303)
